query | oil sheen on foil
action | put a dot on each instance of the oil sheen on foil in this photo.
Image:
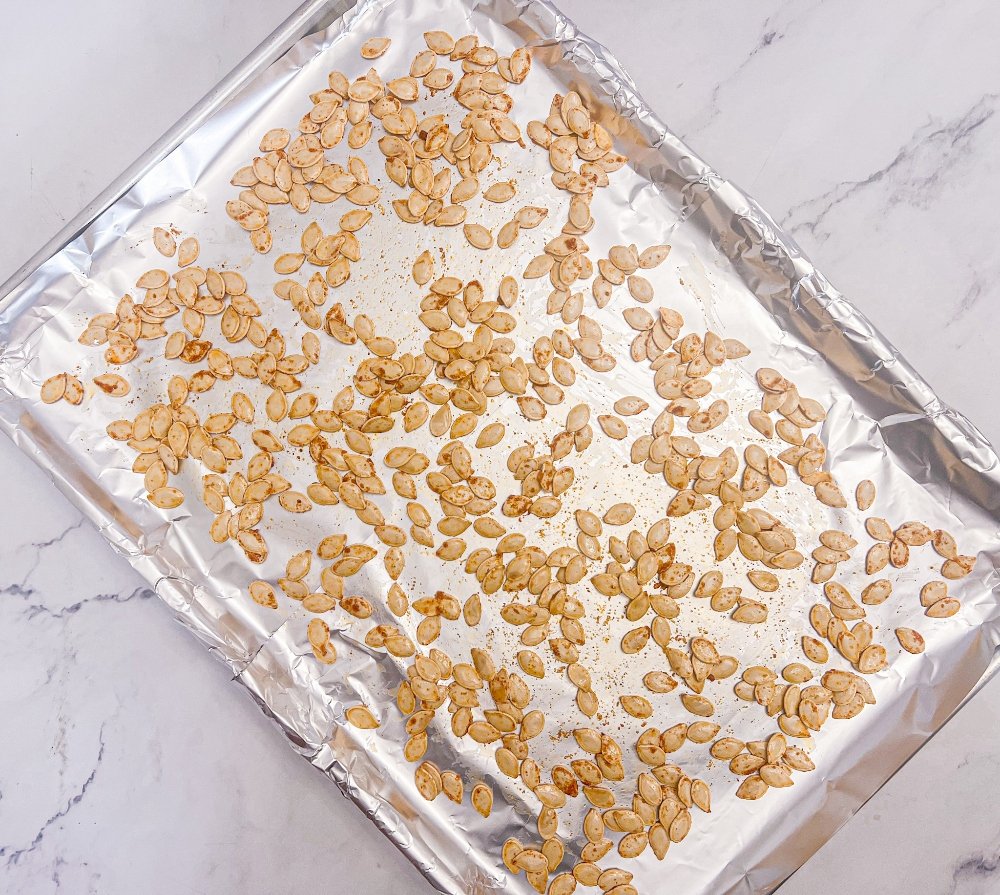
(730, 270)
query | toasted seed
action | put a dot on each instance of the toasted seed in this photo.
(478, 236)
(933, 591)
(815, 650)
(164, 242)
(899, 553)
(188, 251)
(500, 192)
(653, 256)
(726, 749)
(775, 775)
(877, 558)
(879, 529)
(374, 47)
(619, 514)
(482, 799)
(914, 534)
(956, 568)
(166, 498)
(764, 581)
(563, 884)
(263, 594)
(796, 673)
(659, 682)
(750, 612)
(873, 659)
(577, 418)
(112, 384)
(635, 640)
(697, 705)
(423, 268)
(440, 42)
(752, 788)
(490, 435)
(826, 492)
(837, 540)
(943, 608)
(761, 422)
(865, 494)
(876, 592)
(54, 388)
(910, 640)
(428, 780)
(531, 663)
(637, 706)
(277, 138)
(612, 426)
(361, 717)
(702, 731)
(944, 544)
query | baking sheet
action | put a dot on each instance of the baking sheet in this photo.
(730, 269)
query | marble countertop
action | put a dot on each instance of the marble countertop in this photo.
(129, 762)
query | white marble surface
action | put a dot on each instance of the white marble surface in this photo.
(129, 762)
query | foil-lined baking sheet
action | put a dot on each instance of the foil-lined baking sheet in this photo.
(731, 269)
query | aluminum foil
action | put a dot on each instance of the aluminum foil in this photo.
(731, 269)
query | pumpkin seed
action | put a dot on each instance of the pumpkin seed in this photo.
(361, 717)
(865, 494)
(375, 47)
(482, 799)
(910, 640)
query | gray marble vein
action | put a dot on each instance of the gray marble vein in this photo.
(978, 873)
(915, 172)
(13, 855)
(21, 588)
(141, 593)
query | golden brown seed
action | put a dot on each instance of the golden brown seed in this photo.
(952, 569)
(726, 749)
(698, 705)
(54, 388)
(796, 673)
(478, 236)
(910, 640)
(112, 384)
(619, 514)
(164, 242)
(374, 47)
(659, 682)
(166, 498)
(188, 251)
(612, 426)
(577, 418)
(490, 435)
(764, 581)
(263, 594)
(876, 592)
(752, 788)
(482, 799)
(944, 608)
(815, 650)
(873, 659)
(361, 717)
(500, 192)
(865, 494)
(637, 706)
(702, 731)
